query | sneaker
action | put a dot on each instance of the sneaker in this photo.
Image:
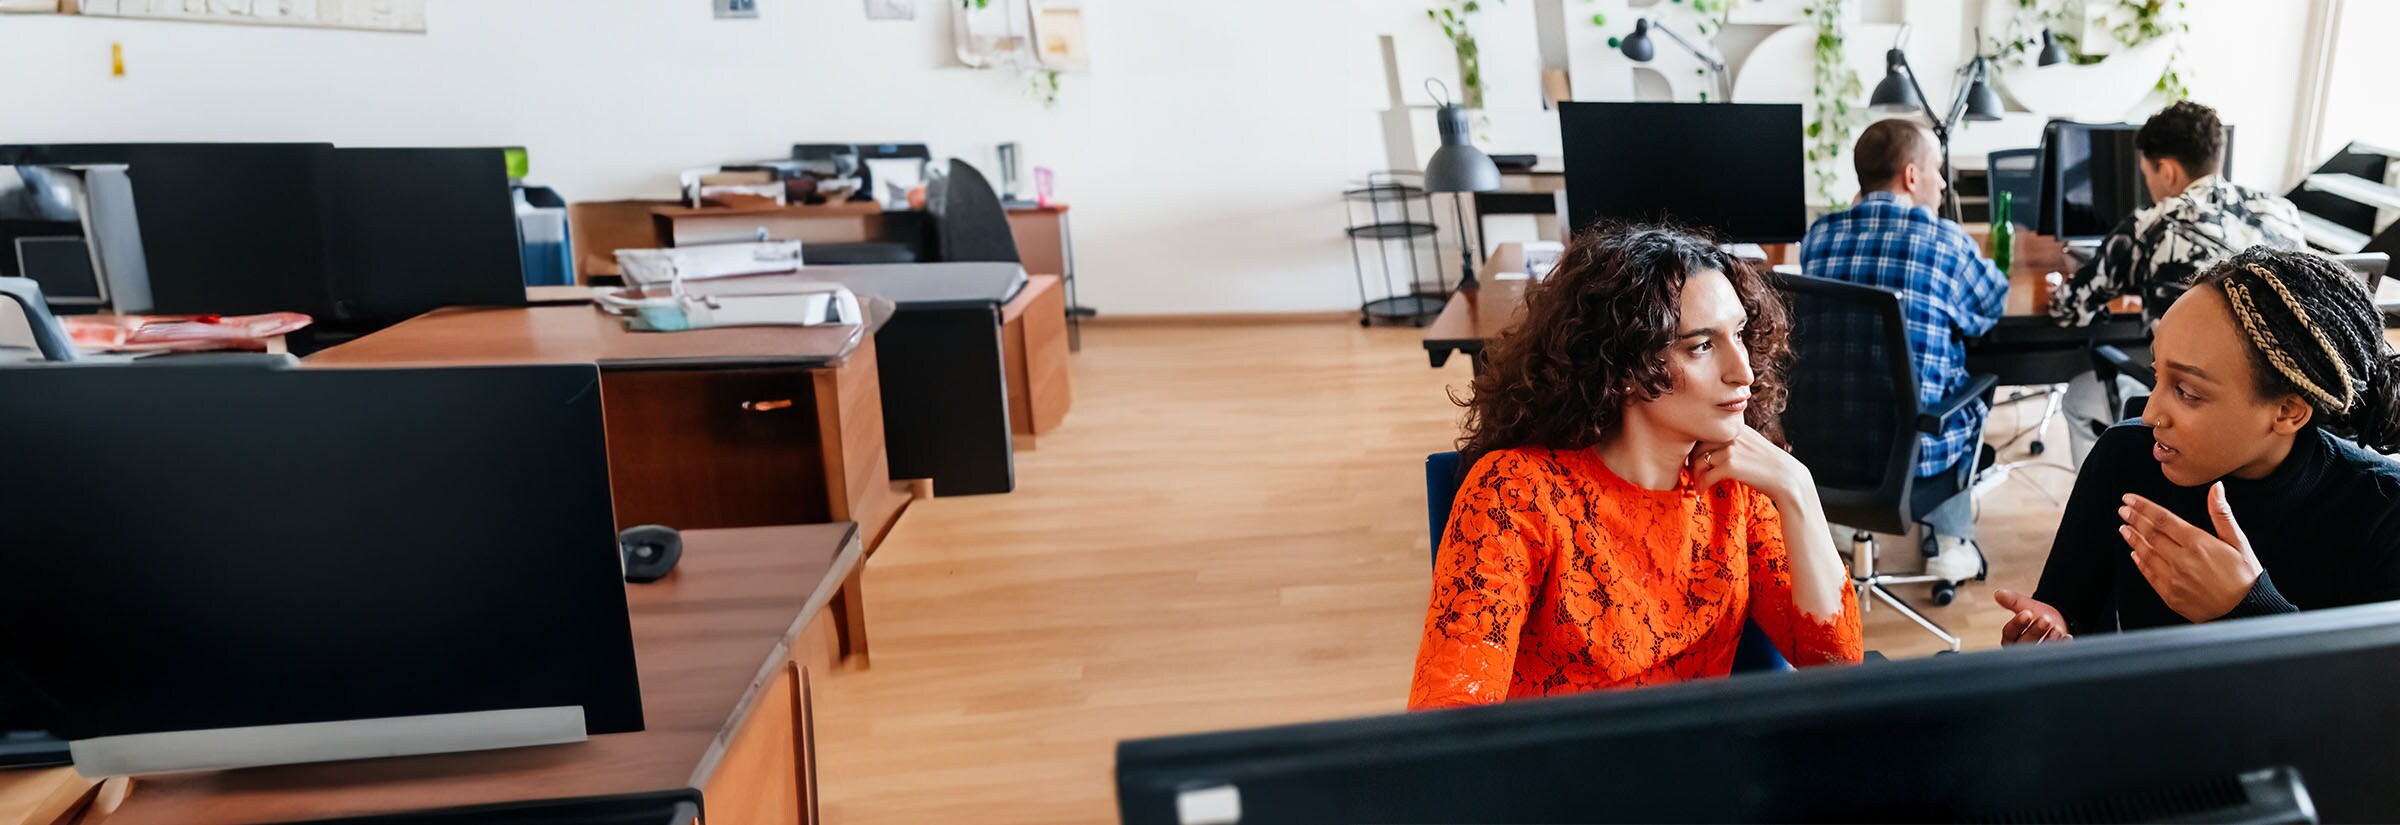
(1956, 561)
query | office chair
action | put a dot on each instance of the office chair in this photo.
(2017, 172)
(969, 223)
(1854, 421)
(2108, 363)
(1754, 654)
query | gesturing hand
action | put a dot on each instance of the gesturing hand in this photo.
(2032, 622)
(2200, 575)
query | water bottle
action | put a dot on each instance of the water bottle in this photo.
(2004, 232)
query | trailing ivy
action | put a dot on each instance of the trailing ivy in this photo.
(1834, 86)
(1452, 17)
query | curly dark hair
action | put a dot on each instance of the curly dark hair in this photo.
(2188, 132)
(2314, 332)
(1594, 336)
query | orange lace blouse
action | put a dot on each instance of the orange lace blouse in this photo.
(1556, 576)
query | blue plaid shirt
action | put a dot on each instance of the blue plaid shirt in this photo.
(1948, 293)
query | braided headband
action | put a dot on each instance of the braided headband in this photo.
(2246, 312)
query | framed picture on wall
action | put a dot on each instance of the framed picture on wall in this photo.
(1058, 37)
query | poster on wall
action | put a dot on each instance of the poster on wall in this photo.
(366, 15)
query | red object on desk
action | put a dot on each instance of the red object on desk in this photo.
(167, 333)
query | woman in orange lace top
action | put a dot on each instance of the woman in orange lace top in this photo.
(1626, 512)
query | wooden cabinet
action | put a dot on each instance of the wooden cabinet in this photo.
(1033, 337)
(709, 448)
(1040, 232)
(764, 778)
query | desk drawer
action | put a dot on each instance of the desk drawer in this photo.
(699, 449)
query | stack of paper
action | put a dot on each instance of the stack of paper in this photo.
(658, 267)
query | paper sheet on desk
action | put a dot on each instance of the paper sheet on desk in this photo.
(802, 305)
(658, 267)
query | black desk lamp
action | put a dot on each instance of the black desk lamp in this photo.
(2052, 53)
(1900, 94)
(1457, 168)
(1637, 47)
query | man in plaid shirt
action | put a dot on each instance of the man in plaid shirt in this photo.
(1892, 239)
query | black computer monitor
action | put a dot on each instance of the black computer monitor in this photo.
(341, 234)
(227, 228)
(414, 230)
(2090, 177)
(1733, 168)
(239, 546)
(2129, 727)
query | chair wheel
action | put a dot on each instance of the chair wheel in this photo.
(1944, 593)
(2037, 447)
(1366, 322)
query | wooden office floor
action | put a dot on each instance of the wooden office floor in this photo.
(1228, 531)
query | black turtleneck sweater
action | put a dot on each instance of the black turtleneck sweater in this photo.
(2325, 525)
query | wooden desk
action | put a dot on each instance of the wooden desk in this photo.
(1033, 339)
(2024, 348)
(44, 796)
(1474, 316)
(849, 222)
(944, 378)
(726, 648)
(706, 429)
(1046, 246)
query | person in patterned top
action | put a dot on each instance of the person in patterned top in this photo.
(2197, 218)
(1627, 509)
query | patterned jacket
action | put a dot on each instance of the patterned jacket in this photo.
(2155, 252)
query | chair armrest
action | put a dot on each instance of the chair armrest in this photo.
(1930, 421)
(2108, 362)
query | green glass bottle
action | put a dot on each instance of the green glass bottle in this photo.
(2004, 232)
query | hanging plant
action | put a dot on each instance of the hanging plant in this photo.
(1834, 85)
(1452, 17)
(1042, 85)
(1714, 16)
(2137, 23)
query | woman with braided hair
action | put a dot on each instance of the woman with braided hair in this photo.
(2252, 485)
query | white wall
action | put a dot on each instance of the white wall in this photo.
(1203, 155)
(2245, 59)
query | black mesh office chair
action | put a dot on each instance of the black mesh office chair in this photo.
(968, 222)
(1854, 421)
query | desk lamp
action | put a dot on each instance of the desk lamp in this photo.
(1457, 168)
(1638, 48)
(2052, 53)
(1900, 94)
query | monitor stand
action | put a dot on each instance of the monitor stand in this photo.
(228, 748)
